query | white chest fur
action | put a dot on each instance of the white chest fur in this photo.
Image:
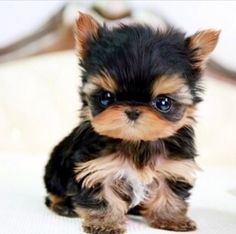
(105, 170)
(139, 188)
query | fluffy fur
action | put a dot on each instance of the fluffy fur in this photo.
(128, 156)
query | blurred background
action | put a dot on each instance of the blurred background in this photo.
(39, 75)
(39, 104)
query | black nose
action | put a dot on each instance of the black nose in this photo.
(133, 114)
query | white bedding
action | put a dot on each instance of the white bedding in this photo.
(213, 204)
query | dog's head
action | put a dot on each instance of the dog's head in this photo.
(140, 83)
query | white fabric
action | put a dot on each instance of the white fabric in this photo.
(22, 18)
(213, 205)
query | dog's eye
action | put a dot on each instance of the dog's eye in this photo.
(162, 103)
(107, 98)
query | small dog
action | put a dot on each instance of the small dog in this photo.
(133, 151)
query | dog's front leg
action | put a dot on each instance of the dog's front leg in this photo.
(102, 221)
(166, 209)
(106, 213)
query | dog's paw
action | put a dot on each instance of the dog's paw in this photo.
(92, 229)
(61, 207)
(182, 225)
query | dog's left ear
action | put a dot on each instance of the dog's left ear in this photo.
(85, 31)
(201, 44)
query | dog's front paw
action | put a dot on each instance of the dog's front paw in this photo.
(182, 225)
(93, 229)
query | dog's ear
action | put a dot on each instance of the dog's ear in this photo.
(201, 44)
(85, 31)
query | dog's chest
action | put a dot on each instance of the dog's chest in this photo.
(139, 188)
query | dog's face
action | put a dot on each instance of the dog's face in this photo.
(140, 83)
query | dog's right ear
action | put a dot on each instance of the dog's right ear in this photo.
(85, 31)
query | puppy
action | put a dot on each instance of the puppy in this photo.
(133, 151)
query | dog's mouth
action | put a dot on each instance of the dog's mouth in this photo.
(134, 123)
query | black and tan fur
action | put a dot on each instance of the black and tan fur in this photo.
(112, 165)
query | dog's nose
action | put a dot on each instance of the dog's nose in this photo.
(133, 114)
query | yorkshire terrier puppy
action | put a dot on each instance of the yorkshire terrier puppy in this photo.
(133, 151)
